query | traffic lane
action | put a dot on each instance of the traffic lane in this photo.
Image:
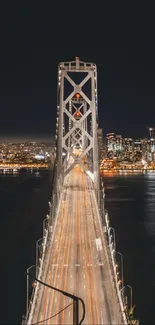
(45, 292)
(76, 262)
(85, 284)
(96, 303)
(63, 243)
(72, 283)
(92, 267)
(55, 262)
(53, 297)
(88, 283)
(99, 300)
(68, 312)
(61, 303)
(112, 306)
(96, 265)
(105, 299)
(81, 259)
(78, 183)
(66, 315)
(39, 311)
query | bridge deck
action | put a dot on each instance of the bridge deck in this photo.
(74, 263)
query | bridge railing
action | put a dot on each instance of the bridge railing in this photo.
(111, 252)
(108, 252)
(39, 270)
(48, 228)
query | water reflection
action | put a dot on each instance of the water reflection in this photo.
(150, 204)
(130, 201)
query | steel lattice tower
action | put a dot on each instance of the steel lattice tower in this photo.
(77, 116)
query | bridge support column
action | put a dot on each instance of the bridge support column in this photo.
(76, 312)
(77, 120)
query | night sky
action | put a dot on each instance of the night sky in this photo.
(34, 39)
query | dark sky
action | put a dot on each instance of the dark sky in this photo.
(34, 39)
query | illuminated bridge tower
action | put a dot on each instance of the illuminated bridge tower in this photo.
(77, 120)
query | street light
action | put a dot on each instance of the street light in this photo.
(114, 238)
(106, 219)
(121, 270)
(44, 223)
(130, 293)
(73, 297)
(27, 294)
(37, 247)
(49, 203)
(53, 207)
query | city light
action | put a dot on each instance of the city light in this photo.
(33, 155)
(119, 153)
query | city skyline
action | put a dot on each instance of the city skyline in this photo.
(39, 138)
(22, 138)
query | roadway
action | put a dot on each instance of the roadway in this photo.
(74, 263)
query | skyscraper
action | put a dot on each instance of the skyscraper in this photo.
(100, 142)
(111, 142)
(151, 143)
(128, 148)
(152, 133)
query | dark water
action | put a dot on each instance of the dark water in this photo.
(130, 201)
(23, 206)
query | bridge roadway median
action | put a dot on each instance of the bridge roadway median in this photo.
(74, 262)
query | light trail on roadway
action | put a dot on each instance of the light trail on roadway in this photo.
(74, 263)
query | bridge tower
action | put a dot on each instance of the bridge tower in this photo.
(77, 117)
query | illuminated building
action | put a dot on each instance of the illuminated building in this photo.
(114, 145)
(144, 149)
(107, 164)
(128, 144)
(151, 144)
(137, 150)
(128, 148)
(26, 152)
(100, 143)
(118, 143)
(152, 133)
(111, 142)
